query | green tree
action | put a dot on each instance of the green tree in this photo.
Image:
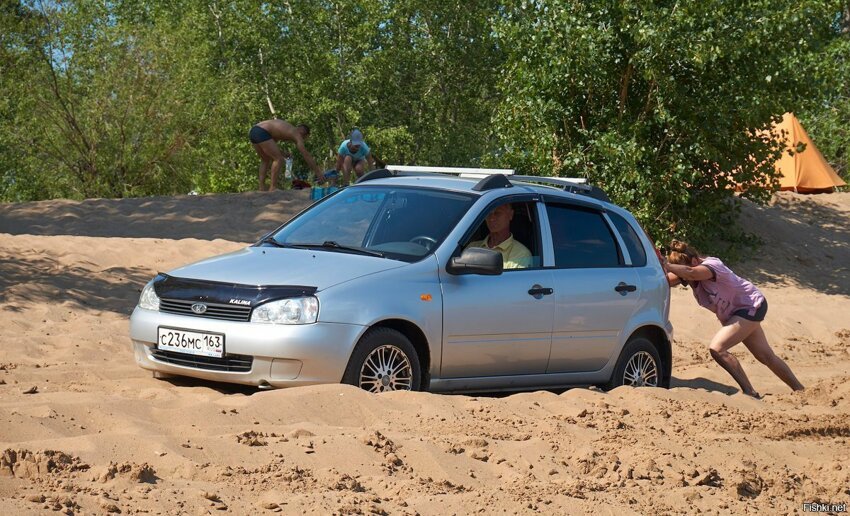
(104, 103)
(827, 116)
(418, 77)
(433, 83)
(659, 102)
(17, 182)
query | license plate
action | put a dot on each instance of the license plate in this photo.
(191, 342)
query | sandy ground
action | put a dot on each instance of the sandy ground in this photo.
(83, 430)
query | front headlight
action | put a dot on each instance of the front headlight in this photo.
(149, 300)
(298, 310)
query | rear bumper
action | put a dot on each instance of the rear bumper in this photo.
(282, 356)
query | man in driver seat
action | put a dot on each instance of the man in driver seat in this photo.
(514, 254)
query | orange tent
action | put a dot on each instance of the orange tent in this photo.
(806, 171)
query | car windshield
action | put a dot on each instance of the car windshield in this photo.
(399, 223)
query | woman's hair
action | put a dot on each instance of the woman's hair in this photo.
(681, 253)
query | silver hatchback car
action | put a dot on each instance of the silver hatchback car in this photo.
(416, 280)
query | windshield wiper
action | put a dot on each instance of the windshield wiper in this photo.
(270, 240)
(330, 244)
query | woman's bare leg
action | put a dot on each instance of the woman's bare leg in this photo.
(757, 343)
(733, 332)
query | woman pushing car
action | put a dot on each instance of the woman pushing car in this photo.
(739, 306)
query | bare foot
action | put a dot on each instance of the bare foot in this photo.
(753, 394)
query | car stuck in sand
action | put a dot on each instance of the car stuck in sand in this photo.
(384, 285)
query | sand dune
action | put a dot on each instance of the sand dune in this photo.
(83, 430)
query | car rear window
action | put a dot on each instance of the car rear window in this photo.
(631, 239)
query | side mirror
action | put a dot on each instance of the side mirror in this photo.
(476, 260)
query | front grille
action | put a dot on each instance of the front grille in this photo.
(214, 310)
(229, 363)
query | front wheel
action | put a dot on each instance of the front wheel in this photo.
(639, 365)
(384, 360)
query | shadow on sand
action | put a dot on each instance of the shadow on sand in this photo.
(46, 281)
(805, 240)
(247, 390)
(241, 217)
(220, 387)
(703, 384)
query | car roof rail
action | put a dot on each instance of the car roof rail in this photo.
(576, 185)
(409, 170)
(465, 172)
(490, 178)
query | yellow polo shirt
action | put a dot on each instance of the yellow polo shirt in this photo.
(514, 254)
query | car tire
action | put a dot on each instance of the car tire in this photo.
(384, 360)
(639, 365)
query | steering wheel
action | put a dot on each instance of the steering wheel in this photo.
(424, 240)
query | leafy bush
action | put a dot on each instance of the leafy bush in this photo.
(657, 102)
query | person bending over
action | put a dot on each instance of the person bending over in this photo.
(740, 307)
(264, 137)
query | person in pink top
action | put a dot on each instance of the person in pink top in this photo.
(739, 306)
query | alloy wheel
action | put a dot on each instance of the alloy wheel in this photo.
(641, 371)
(386, 368)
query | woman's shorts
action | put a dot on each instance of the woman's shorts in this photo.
(758, 316)
(258, 135)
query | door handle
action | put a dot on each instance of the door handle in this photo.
(538, 291)
(624, 289)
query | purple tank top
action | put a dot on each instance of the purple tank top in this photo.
(726, 292)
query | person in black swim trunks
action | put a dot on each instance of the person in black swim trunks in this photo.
(264, 137)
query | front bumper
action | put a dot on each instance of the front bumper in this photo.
(283, 356)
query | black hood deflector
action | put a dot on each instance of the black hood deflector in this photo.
(169, 287)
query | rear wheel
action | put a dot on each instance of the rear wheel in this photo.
(639, 365)
(384, 360)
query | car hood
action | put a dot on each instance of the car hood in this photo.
(274, 266)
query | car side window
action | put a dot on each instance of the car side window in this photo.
(631, 239)
(513, 230)
(582, 238)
